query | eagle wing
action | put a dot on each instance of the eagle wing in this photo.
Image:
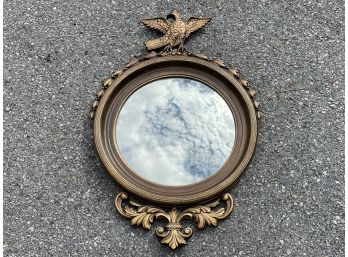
(195, 23)
(160, 24)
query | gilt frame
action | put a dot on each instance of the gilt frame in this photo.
(216, 76)
(144, 200)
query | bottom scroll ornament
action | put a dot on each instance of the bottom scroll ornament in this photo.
(174, 234)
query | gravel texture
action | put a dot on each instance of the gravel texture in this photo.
(58, 200)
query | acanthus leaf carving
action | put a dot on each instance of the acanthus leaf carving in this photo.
(173, 234)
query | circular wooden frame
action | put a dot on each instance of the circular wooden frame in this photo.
(214, 74)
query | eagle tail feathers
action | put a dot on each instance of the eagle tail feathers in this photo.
(156, 43)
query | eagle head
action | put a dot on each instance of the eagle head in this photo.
(174, 14)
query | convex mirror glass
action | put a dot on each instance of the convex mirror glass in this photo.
(175, 131)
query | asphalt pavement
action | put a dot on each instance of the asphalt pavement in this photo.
(58, 200)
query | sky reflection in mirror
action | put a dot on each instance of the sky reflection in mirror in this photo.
(175, 131)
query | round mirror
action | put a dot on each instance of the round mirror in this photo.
(175, 131)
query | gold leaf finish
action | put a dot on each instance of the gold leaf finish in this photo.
(132, 62)
(200, 55)
(150, 55)
(257, 104)
(107, 83)
(235, 72)
(117, 72)
(252, 92)
(173, 234)
(99, 93)
(219, 62)
(245, 83)
(177, 60)
(175, 33)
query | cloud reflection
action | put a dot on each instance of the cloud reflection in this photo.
(175, 131)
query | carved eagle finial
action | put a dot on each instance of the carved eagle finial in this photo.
(174, 32)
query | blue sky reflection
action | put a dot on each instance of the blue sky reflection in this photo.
(175, 131)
